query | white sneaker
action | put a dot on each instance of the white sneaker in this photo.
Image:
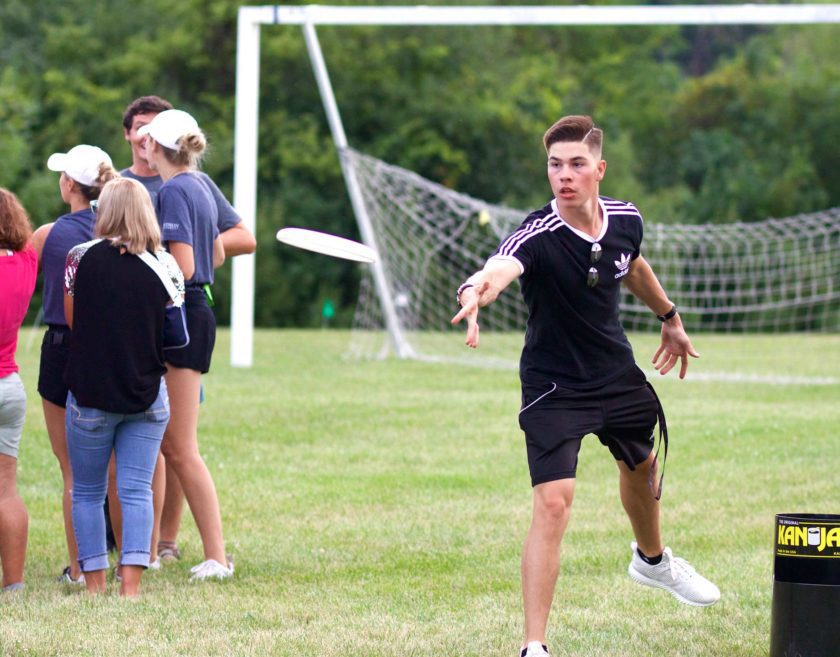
(676, 576)
(534, 649)
(210, 569)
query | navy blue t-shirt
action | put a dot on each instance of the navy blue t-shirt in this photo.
(228, 218)
(187, 213)
(67, 231)
(151, 183)
(574, 337)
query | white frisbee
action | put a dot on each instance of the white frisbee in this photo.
(331, 245)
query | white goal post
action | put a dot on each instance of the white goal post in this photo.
(250, 20)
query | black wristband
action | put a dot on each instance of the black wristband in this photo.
(671, 313)
(461, 288)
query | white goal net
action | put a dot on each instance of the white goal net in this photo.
(778, 275)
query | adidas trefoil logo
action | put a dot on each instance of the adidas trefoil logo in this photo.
(622, 265)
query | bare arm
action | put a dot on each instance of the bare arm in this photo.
(675, 344)
(68, 309)
(185, 257)
(485, 287)
(218, 252)
(238, 240)
(642, 282)
(39, 237)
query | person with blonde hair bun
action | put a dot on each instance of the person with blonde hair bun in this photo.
(188, 216)
(116, 291)
(84, 170)
(237, 240)
(18, 269)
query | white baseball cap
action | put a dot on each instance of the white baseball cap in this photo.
(169, 126)
(81, 163)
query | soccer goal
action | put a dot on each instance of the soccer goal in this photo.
(776, 275)
(782, 278)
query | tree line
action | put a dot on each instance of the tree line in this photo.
(703, 124)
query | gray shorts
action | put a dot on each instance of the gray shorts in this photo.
(12, 413)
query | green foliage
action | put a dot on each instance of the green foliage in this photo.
(703, 124)
(747, 142)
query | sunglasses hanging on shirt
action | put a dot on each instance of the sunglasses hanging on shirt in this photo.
(594, 256)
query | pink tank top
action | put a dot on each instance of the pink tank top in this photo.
(17, 282)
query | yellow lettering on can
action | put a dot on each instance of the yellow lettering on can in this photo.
(830, 538)
(782, 538)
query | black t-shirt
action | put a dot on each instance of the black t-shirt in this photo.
(574, 337)
(116, 346)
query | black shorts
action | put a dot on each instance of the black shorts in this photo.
(201, 324)
(55, 352)
(623, 414)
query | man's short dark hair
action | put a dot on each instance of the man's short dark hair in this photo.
(144, 105)
(575, 128)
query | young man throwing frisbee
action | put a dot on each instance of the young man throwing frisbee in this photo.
(577, 368)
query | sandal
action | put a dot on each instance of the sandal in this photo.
(168, 551)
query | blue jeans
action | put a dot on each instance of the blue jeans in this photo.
(91, 437)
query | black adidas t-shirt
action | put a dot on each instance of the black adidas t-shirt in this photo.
(574, 337)
(116, 346)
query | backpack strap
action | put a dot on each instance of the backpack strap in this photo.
(157, 267)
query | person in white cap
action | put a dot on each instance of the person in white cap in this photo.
(237, 240)
(84, 171)
(188, 216)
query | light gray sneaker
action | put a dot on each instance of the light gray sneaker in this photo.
(676, 576)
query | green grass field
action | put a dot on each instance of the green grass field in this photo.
(378, 508)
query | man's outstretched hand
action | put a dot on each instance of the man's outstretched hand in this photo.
(470, 299)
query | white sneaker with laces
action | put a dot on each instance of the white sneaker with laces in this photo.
(534, 649)
(676, 576)
(210, 569)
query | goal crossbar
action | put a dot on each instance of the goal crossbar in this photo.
(250, 19)
(547, 15)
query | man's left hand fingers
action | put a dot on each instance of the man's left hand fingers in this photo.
(684, 366)
(668, 364)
